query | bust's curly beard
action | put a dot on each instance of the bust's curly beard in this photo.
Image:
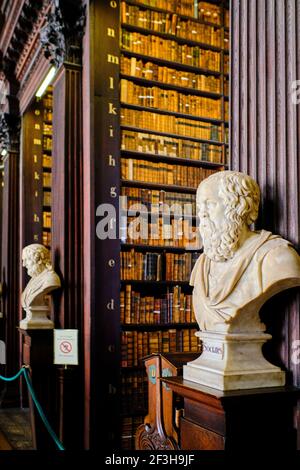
(220, 243)
(36, 270)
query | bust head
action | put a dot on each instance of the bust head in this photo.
(36, 258)
(228, 203)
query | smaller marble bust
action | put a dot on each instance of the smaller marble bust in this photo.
(36, 259)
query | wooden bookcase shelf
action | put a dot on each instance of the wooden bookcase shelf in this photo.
(166, 187)
(144, 6)
(164, 158)
(168, 86)
(172, 113)
(169, 134)
(135, 412)
(152, 284)
(160, 326)
(129, 369)
(156, 248)
(164, 215)
(169, 63)
(171, 37)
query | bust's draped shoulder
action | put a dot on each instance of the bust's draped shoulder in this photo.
(219, 304)
(39, 285)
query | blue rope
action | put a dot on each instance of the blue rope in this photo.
(24, 371)
(10, 379)
(41, 413)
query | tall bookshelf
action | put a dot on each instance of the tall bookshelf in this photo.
(47, 165)
(37, 170)
(174, 82)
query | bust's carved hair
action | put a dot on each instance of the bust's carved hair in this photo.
(39, 254)
(241, 195)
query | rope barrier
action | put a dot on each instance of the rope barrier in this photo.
(24, 371)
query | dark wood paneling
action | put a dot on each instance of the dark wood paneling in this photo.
(67, 223)
(265, 137)
(197, 437)
(88, 203)
(101, 257)
(37, 352)
(211, 417)
(259, 418)
(67, 194)
(10, 259)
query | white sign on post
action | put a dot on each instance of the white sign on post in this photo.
(66, 347)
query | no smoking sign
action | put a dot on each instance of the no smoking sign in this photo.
(66, 347)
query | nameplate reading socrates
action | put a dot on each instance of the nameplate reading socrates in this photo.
(213, 349)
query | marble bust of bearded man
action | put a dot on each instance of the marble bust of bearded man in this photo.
(239, 268)
(36, 259)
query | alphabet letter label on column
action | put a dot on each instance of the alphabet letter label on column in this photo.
(112, 109)
(111, 160)
(111, 32)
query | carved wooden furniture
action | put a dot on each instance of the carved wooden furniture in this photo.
(216, 420)
(161, 425)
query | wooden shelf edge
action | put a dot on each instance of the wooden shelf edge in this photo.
(165, 158)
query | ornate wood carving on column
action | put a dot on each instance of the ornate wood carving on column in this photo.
(61, 39)
(265, 138)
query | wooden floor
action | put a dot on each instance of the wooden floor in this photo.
(4, 444)
(15, 430)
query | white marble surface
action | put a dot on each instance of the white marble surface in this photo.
(233, 361)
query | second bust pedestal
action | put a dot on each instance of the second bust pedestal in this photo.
(232, 361)
(37, 318)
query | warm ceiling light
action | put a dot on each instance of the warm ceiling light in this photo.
(46, 82)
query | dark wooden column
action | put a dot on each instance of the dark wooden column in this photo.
(61, 39)
(101, 257)
(10, 257)
(9, 125)
(66, 233)
(67, 192)
(265, 138)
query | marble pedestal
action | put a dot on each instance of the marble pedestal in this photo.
(233, 361)
(36, 318)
